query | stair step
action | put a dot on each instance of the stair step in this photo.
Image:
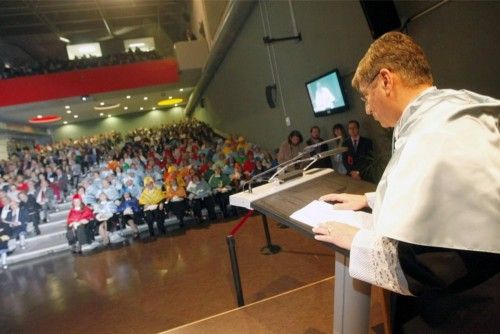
(53, 240)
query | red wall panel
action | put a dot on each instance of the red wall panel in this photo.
(89, 81)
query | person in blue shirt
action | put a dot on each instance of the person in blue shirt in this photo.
(130, 212)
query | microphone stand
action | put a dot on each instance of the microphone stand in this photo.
(297, 159)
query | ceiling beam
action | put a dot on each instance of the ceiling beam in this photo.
(43, 18)
(104, 19)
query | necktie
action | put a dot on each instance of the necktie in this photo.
(355, 144)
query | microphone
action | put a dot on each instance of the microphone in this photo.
(325, 154)
(313, 146)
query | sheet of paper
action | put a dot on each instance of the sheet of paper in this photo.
(318, 212)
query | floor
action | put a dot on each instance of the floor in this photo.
(308, 309)
(149, 287)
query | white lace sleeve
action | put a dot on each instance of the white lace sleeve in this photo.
(374, 259)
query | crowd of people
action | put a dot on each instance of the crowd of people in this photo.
(12, 70)
(355, 162)
(113, 181)
(143, 176)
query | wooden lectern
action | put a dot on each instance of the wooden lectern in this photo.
(279, 201)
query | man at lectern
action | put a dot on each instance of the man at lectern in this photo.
(435, 239)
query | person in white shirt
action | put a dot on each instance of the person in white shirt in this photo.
(434, 238)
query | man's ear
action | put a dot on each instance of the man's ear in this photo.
(387, 80)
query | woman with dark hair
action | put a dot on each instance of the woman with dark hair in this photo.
(338, 130)
(291, 147)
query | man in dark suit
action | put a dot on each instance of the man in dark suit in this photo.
(356, 159)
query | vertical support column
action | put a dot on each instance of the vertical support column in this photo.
(351, 300)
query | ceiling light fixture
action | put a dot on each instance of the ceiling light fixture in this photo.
(128, 97)
(125, 108)
(68, 111)
(141, 108)
(145, 98)
(65, 122)
(102, 103)
(154, 108)
(169, 102)
(64, 39)
(107, 107)
(101, 114)
(45, 119)
(75, 116)
(181, 90)
(67, 107)
(170, 97)
(176, 105)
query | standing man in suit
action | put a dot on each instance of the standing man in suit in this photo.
(359, 149)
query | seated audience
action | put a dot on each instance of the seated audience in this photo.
(200, 195)
(28, 202)
(152, 201)
(104, 211)
(175, 196)
(290, 148)
(79, 221)
(17, 218)
(316, 139)
(221, 188)
(5, 233)
(130, 212)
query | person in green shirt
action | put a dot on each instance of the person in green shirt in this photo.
(221, 188)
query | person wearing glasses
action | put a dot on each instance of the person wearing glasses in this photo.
(436, 210)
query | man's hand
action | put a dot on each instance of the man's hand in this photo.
(346, 201)
(335, 233)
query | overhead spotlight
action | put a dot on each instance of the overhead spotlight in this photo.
(39, 116)
(176, 105)
(181, 90)
(64, 39)
(65, 122)
(141, 108)
(145, 98)
(102, 103)
(125, 108)
(68, 111)
(128, 97)
(101, 114)
(67, 107)
(85, 98)
(75, 116)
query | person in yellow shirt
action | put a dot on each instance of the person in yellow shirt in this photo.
(152, 201)
(175, 197)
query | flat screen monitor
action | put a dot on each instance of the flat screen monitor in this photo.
(326, 94)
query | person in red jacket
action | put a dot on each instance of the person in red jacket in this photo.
(79, 231)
